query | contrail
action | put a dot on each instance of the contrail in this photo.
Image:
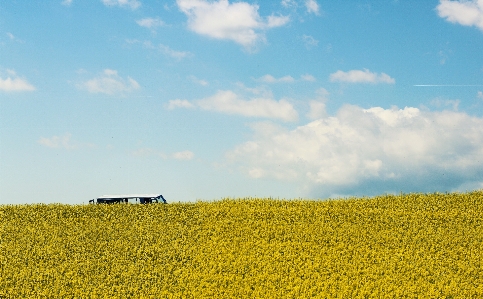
(447, 85)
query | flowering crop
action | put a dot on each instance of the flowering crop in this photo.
(413, 245)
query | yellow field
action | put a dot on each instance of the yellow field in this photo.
(414, 246)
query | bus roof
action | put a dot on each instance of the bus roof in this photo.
(129, 196)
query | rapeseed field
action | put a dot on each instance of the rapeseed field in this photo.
(406, 246)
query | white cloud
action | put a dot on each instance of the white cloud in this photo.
(358, 76)
(173, 104)
(133, 4)
(318, 105)
(285, 79)
(289, 3)
(312, 6)
(261, 91)
(375, 150)
(164, 50)
(309, 41)
(228, 102)
(466, 13)
(317, 109)
(239, 21)
(270, 79)
(109, 82)
(445, 103)
(150, 152)
(10, 36)
(184, 155)
(66, 2)
(480, 95)
(150, 23)
(276, 21)
(64, 142)
(14, 83)
(173, 53)
(308, 77)
(198, 81)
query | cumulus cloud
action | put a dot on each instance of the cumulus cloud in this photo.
(150, 23)
(372, 150)
(133, 4)
(312, 7)
(239, 21)
(318, 105)
(228, 102)
(466, 13)
(358, 76)
(14, 83)
(109, 82)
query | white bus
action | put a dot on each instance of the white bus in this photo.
(129, 198)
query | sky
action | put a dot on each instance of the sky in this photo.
(203, 100)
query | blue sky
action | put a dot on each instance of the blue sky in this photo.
(200, 100)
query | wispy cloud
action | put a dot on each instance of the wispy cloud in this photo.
(271, 79)
(166, 50)
(312, 7)
(13, 83)
(178, 103)
(288, 3)
(198, 81)
(239, 21)
(63, 142)
(228, 102)
(440, 103)
(309, 41)
(173, 53)
(66, 2)
(151, 23)
(359, 76)
(285, 79)
(13, 38)
(466, 13)
(184, 155)
(150, 152)
(308, 77)
(372, 150)
(58, 141)
(109, 82)
(480, 95)
(133, 4)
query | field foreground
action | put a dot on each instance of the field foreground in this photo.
(413, 245)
